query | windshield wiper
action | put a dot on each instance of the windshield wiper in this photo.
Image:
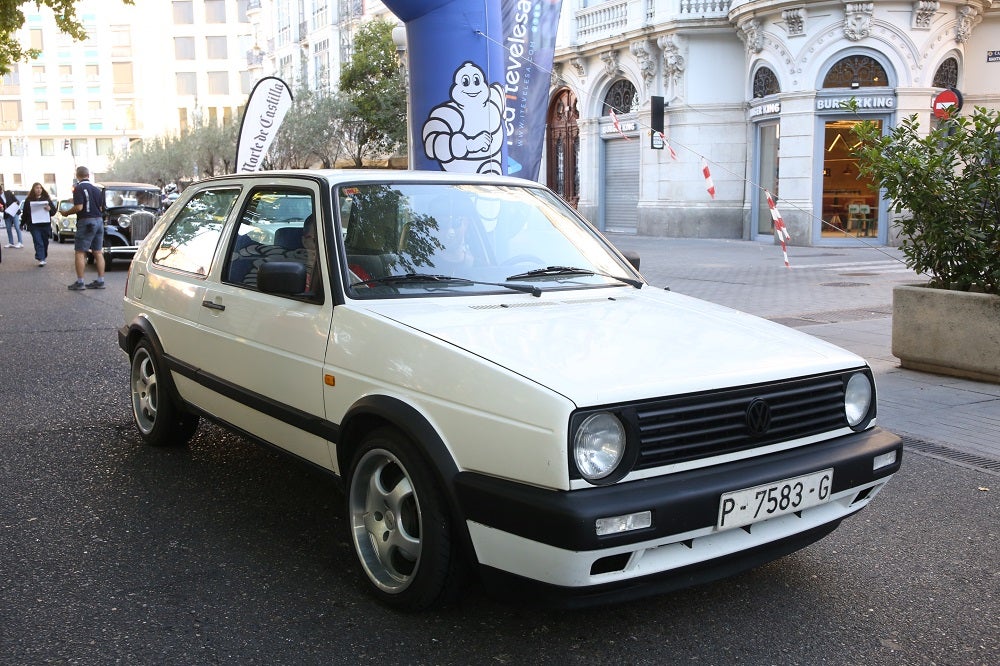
(444, 279)
(550, 271)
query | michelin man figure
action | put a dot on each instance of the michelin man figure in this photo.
(465, 134)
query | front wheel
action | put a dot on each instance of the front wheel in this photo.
(401, 528)
(158, 419)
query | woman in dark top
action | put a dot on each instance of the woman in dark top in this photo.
(41, 229)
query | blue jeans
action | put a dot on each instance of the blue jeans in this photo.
(40, 234)
(12, 226)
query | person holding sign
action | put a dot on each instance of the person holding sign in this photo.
(10, 208)
(36, 216)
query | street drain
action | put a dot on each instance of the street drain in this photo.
(857, 274)
(961, 457)
(844, 284)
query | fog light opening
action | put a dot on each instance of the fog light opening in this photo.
(884, 460)
(610, 564)
(626, 523)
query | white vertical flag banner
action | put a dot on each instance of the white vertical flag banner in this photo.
(267, 105)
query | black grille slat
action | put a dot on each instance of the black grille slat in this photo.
(141, 224)
(690, 427)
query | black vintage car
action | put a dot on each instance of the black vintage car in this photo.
(132, 210)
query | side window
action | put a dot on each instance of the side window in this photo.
(276, 224)
(189, 243)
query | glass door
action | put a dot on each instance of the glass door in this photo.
(768, 136)
(850, 205)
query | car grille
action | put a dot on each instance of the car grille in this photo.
(141, 224)
(702, 425)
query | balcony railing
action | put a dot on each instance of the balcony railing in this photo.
(611, 19)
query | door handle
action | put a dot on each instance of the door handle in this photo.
(213, 306)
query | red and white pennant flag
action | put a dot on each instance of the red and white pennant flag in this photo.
(666, 143)
(779, 227)
(709, 185)
(617, 125)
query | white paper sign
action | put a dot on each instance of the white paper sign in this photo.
(40, 212)
(13, 209)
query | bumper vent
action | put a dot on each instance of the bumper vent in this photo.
(709, 424)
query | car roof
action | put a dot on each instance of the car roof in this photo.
(128, 186)
(337, 176)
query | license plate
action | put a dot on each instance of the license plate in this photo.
(751, 505)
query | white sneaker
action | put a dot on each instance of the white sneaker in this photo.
(9, 245)
(41, 262)
(19, 246)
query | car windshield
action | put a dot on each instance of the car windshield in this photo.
(404, 240)
(115, 197)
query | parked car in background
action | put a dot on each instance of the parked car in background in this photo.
(64, 222)
(132, 210)
(495, 386)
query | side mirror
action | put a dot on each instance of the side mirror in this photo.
(632, 257)
(282, 277)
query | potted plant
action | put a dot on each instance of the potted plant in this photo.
(946, 184)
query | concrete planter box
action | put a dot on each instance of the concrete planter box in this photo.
(947, 332)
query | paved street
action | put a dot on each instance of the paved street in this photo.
(115, 553)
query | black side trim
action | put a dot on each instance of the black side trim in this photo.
(506, 585)
(679, 502)
(314, 425)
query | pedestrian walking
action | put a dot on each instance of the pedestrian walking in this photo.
(88, 204)
(10, 211)
(36, 216)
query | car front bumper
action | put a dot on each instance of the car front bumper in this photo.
(547, 538)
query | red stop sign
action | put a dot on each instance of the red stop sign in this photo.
(947, 103)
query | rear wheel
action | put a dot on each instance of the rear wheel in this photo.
(402, 531)
(158, 419)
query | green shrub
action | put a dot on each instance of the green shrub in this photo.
(948, 183)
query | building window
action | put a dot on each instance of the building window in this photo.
(184, 48)
(765, 83)
(247, 80)
(93, 73)
(946, 75)
(47, 147)
(218, 83)
(10, 114)
(38, 74)
(94, 109)
(68, 108)
(321, 16)
(104, 147)
(121, 41)
(215, 11)
(36, 39)
(217, 48)
(184, 12)
(121, 73)
(42, 112)
(79, 147)
(621, 97)
(65, 72)
(187, 83)
(857, 71)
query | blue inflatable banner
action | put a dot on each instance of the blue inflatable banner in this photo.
(478, 82)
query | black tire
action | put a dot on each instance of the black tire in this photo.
(154, 411)
(402, 531)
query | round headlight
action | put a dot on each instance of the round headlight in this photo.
(124, 222)
(599, 445)
(857, 398)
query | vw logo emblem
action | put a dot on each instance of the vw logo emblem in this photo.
(758, 417)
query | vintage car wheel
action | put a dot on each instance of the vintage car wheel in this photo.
(400, 525)
(159, 421)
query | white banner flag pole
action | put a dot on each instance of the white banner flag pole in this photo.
(267, 105)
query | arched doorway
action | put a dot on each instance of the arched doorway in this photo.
(850, 208)
(620, 159)
(563, 142)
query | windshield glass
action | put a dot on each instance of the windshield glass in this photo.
(490, 236)
(115, 197)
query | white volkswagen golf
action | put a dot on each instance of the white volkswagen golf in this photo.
(497, 387)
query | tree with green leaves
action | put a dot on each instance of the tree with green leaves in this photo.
(311, 133)
(946, 182)
(374, 86)
(12, 51)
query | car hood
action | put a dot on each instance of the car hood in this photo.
(612, 345)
